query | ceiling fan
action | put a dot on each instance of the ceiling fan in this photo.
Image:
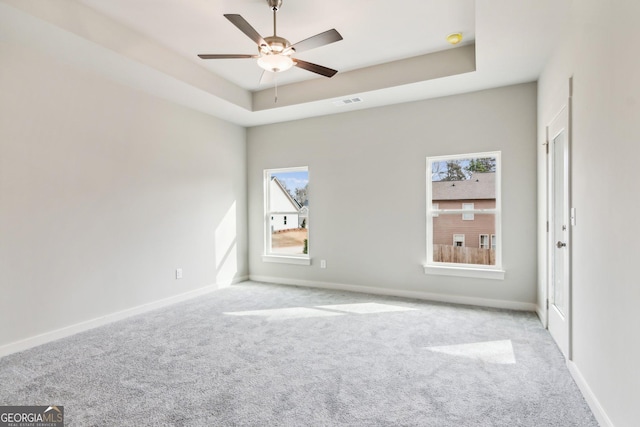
(275, 54)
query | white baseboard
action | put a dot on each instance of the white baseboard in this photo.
(541, 315)
(454, 299)
(57, 334)
(592, 401)
(227, 283)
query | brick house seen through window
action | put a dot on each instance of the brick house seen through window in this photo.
(463, 215)
(475, 193)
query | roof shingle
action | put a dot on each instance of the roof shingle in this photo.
(479, 186)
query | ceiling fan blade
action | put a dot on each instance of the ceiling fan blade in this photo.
(246, 28)
(315, 68)
(318, 40)
(226, 56)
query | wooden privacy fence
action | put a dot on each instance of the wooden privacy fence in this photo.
(463, 255)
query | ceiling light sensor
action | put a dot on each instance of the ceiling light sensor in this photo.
(454, 38)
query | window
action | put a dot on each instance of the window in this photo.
(286, 215)
(467, 216)
(464, 210)
(484, 241)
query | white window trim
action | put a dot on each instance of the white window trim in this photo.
(287, 259)
(267, 255)
(465, 270)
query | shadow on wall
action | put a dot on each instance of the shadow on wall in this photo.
(226, 248)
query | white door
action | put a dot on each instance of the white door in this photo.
(559, 282)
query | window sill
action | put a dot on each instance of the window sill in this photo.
(480, 273)
(284, 259)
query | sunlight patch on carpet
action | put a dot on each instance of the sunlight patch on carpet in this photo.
(366, 308)
(286, 313)
(321, 311)
(497, 352)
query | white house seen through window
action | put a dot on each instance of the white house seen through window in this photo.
(463, 211)
(287, 212)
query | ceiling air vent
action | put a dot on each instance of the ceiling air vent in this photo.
(347, 101)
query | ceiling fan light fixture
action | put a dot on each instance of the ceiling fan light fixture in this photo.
(275, 53)
(454, 38)
(275, 62)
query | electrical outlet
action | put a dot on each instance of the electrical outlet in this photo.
(323, 263)
(178, 273)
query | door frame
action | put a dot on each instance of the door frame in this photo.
(565, 109)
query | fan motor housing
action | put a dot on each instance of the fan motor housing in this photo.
(274, 4)
(276, 45)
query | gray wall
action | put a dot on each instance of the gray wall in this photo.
(605, 153)
(367, 190)
(104, 191)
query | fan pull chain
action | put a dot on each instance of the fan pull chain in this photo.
(275, 101)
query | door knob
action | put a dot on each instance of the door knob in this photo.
(560, 245)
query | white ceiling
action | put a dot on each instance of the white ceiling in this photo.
(153, 45)
(374, 32)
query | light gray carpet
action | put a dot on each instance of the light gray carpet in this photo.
(276, 359)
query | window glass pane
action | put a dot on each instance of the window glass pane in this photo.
(288, 190)
(288, 240)
(464, 184)
(288, 212)
(459, 242)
